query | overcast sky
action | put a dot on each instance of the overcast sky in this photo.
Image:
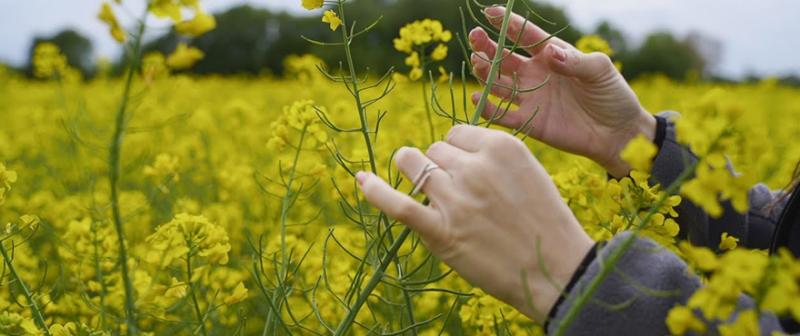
(761, 36)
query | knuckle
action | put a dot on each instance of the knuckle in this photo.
(434, 149)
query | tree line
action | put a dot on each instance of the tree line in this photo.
(251, 40)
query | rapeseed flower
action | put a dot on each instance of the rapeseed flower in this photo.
(639, 153)
(200, 24)
(107, 15)
(312, 4)
(332, 18)
(184, 57)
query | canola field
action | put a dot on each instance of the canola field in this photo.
(202, 176)
(239, 213)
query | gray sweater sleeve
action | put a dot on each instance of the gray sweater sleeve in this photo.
(635, 298)
(754, 228)
(649, 280)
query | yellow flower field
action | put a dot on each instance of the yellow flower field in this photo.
(201, 146)
(240, 214)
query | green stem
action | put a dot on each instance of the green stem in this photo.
(431, 130)
(344, 325)
(197, 311)
(494, 70)
(113, 176)
(37, 313)
(617, 254)
(285, 203)
(362, 113)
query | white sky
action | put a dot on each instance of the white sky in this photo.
(758, 36)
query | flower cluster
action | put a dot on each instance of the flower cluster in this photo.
(188, 236)
(710, 128)
(773, 282)
(299, 116)
(107, 15)
(423, 41)
(608, 207)
(164, 171)
(49, 62)
(184, 57)
(303, 67)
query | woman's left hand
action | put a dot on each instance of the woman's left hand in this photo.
(492, 202)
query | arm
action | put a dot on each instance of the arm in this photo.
(754, 228)
(637, 296)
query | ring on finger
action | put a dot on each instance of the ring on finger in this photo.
(422, 177)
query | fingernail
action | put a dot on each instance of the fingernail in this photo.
(361, 177)
(493, 11)
(559, 54)
(452, 132)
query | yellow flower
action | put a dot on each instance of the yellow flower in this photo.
(7, 177)
(107, 15)
(746, 324)
(154, 66)
(440, 53)
(184, 57)
(200, 24)
(312, 4)
(415, 74)
(413, 60)
(48, 61)
(239, 294)
(728, 242)
(639, 153)
(681, 320)
(332, 18)
(166, 8)
(594, 43)
(187, 236)
(700, 257)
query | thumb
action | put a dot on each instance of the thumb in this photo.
(571, 62)
(422, 219)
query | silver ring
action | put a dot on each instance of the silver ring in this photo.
(422, 177)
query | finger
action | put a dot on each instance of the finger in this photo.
(446, 155)
(412, 162)
(525, 33)
(502, 86)
(571, 62)
(468, 138)
(481, 43)
(498, 115)
(424, 220)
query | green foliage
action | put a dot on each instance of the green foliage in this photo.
(663, 53)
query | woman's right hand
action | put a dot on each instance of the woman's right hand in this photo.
(586, 108)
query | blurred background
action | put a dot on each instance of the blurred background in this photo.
(718, 40)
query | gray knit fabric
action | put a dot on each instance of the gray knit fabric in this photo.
(635, 298)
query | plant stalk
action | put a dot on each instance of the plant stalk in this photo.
(113, 176)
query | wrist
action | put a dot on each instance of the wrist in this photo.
(546, 286)
(645, 124)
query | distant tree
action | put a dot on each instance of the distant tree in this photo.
(615, 37)
(662, 53)
(708, 49)
(73, 44)
(248, 39)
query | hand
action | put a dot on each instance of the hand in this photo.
(491, 204)
(587, 108)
